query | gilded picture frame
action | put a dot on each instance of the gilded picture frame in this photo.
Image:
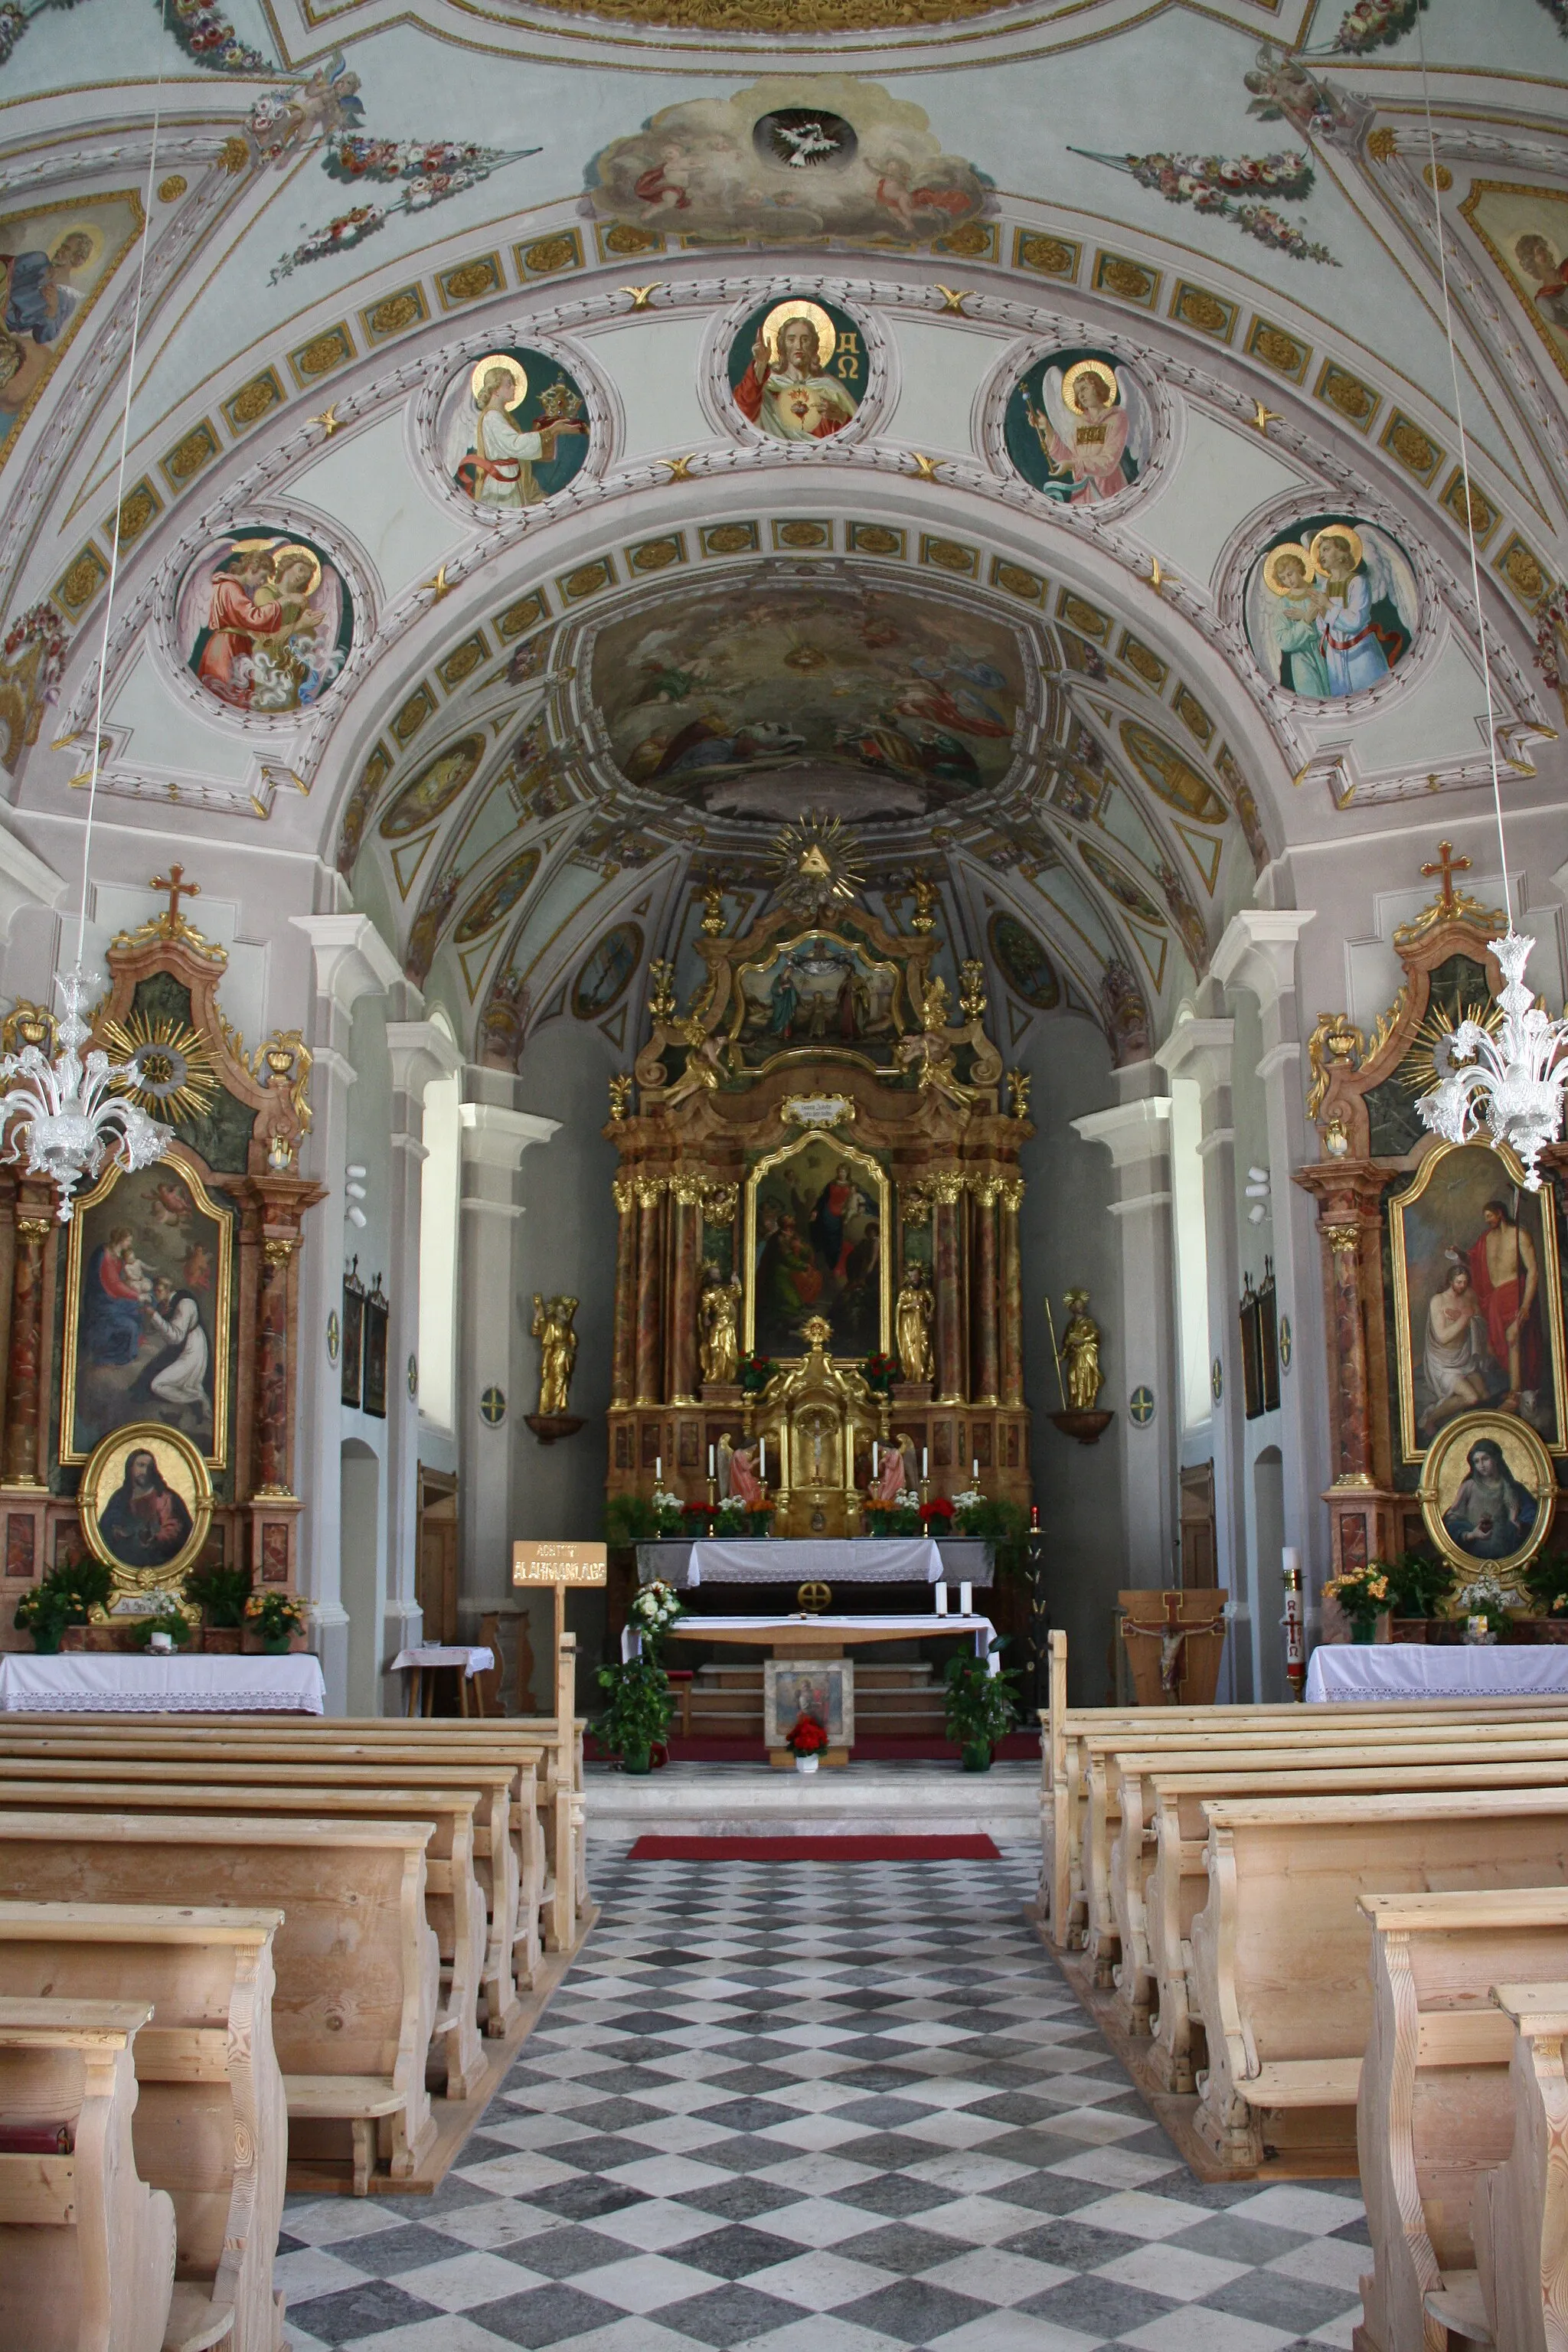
(1442, 1228)
(146, 1505)
(1489, 1494)
(804, 1251)
(122, 1351)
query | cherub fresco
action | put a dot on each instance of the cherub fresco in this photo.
(264, 622)
(1080, 427)
(1331, 611)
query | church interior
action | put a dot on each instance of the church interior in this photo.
(783, 1351)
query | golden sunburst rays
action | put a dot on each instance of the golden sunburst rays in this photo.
(817, 863)
(167, 1068)
(1427, 1060)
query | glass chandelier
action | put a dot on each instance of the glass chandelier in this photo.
(65, 1115)
(1508, 1079)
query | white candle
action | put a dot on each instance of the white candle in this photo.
(873, 1457)
(1290, 1559)
(942, 1600)
(974, 1470)
(763, 1460)
(658, 1469)
(710, 1462)
(966, 1599)
(925, 1466)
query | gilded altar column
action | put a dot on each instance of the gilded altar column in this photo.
(983, 1296)
(947, 1192)
(1010, 1195)
(651, 1192)
(272, 1368)
(24, 1379)
(1353, 1465)
(624, 1360)
(686, 1216)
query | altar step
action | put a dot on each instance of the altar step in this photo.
(727, 1701)
(858, 1800)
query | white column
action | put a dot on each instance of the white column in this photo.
(1138, 1137)
(494, 1137)
(1202, 1050)
(1259, 952)
(419, 1051)
(351, 961)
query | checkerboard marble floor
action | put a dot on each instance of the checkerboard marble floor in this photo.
(821, 2107)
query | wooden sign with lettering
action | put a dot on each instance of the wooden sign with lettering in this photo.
(560, 1563)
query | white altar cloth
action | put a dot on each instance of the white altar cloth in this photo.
(118, 1681)
(887, 1559)
(478, 1659)
(1384, 1670)
(765, 1630)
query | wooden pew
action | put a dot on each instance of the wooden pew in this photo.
(509, 1826)
(454, 1907)
(87, 2250)
(210, 2125)
(1519, 2222)
(1280, 1947)
(1436, 2111)
(358, 1975)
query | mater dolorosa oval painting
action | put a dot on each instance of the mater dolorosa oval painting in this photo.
(798, 370)
(264, 621)
(1331, 607)
(514, 429)
(1079, 428)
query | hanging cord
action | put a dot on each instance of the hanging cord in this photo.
(1464, 463)
(120, 485)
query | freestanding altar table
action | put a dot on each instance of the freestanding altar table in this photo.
(819, 1637)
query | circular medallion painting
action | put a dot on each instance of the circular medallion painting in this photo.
(1488, 1493)
(264, 621)
(606, 972)
(1080, 427)
(1022, 962)
(804, 138)
(146, 1504)
(435, 788)
(1330, 607)
(798, 369)
(514, 429)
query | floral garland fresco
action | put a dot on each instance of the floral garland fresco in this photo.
(203, 32)
(1551, 643)
(1372, 25)
(1230, 187)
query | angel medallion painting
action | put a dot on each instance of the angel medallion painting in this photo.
(1331, 607)
(514, 429)
(1079, 428)
(264, 622)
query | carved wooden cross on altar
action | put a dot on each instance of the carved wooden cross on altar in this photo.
(1446, 864)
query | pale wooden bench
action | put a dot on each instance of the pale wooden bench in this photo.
(210, 2125)
(1435, 2113)
(358, 1974)
(87, 2250)
(509, 1824)
(1279, 1951)
(1183, 1777)
(454, 1907)
(1519, 2219)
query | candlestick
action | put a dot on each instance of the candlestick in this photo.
(966, 1599)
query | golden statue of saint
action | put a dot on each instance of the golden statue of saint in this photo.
(1080, 1350)
(551, 1327)
(913, 1318)
(717, 1318)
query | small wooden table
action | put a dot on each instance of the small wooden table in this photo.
(468, 1663)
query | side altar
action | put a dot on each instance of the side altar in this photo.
(816, 1169)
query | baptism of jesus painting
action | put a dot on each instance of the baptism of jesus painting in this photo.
(146, 1334)
(816, 1223)
(1477, 1297)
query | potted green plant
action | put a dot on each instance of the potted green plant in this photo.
(274, 1617)
(1363, 1595)
(65, 1595)
(630, 1519)
(221, 1594)
(652, 1610)
(901, 1517)
(755, 1373)
(1417, 1587)
(167, 1619)
(1546, 1581)
(637, 1716)
(981, 1707)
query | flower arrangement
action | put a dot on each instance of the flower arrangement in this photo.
(805, 1736)
(276, 1617)
(653, 1610)
(1372, 25)
(1228, 187)
(1485, 1603)
(879, 1372)
(1004, 1526)
(208, 38)
(936, 1517)
(66, 1595)
(165, 1619)
(1415, 1585)
(755, 1373)
(670, 1511)
(1546, 1581)
(1362, 1594)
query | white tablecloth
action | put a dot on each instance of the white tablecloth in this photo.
(93, 1682)
(1412, 1670)
(476, 1661)
(891, 1559)
(768, 1629)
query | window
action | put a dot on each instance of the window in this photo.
(1191, 1250)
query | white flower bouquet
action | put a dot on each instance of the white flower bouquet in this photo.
(654, 1607)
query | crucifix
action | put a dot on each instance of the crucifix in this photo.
(1448, 866)
(175, 883)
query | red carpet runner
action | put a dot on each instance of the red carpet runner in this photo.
(814, 1849)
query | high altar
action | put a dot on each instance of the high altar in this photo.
(818, 1168)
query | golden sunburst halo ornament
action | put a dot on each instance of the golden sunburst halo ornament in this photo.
(817, 863)
(1429, 1057)
(164, 1064)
